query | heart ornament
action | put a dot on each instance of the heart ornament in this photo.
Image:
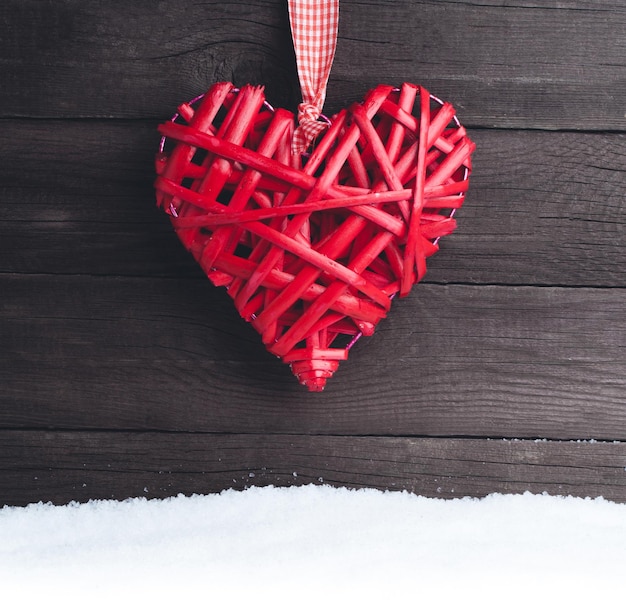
(313, 247)
(313, 226)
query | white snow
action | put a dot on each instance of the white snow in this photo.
(314, 549)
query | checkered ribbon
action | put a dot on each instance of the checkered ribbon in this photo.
(314, 33)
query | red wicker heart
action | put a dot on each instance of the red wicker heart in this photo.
(312, 248)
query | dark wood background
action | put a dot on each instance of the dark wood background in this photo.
(125, 373)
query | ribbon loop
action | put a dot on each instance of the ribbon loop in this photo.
(310, 125)
(314, 31)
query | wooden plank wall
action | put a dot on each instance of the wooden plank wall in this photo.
(125, 373)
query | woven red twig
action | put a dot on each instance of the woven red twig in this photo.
(311, 249)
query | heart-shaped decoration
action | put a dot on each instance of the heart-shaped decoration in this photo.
(313, 248)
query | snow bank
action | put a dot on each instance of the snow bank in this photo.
(306, 548)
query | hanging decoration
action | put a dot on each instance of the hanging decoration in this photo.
(313, 225)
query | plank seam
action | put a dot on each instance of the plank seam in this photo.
(502, 439)
(159, 118)
(200, 278)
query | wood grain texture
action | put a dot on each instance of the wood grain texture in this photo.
(124, 373)
(510, 64)
(482, 361)
(62, 467)
(543, 208)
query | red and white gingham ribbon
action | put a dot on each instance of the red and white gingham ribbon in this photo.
(314, 32)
